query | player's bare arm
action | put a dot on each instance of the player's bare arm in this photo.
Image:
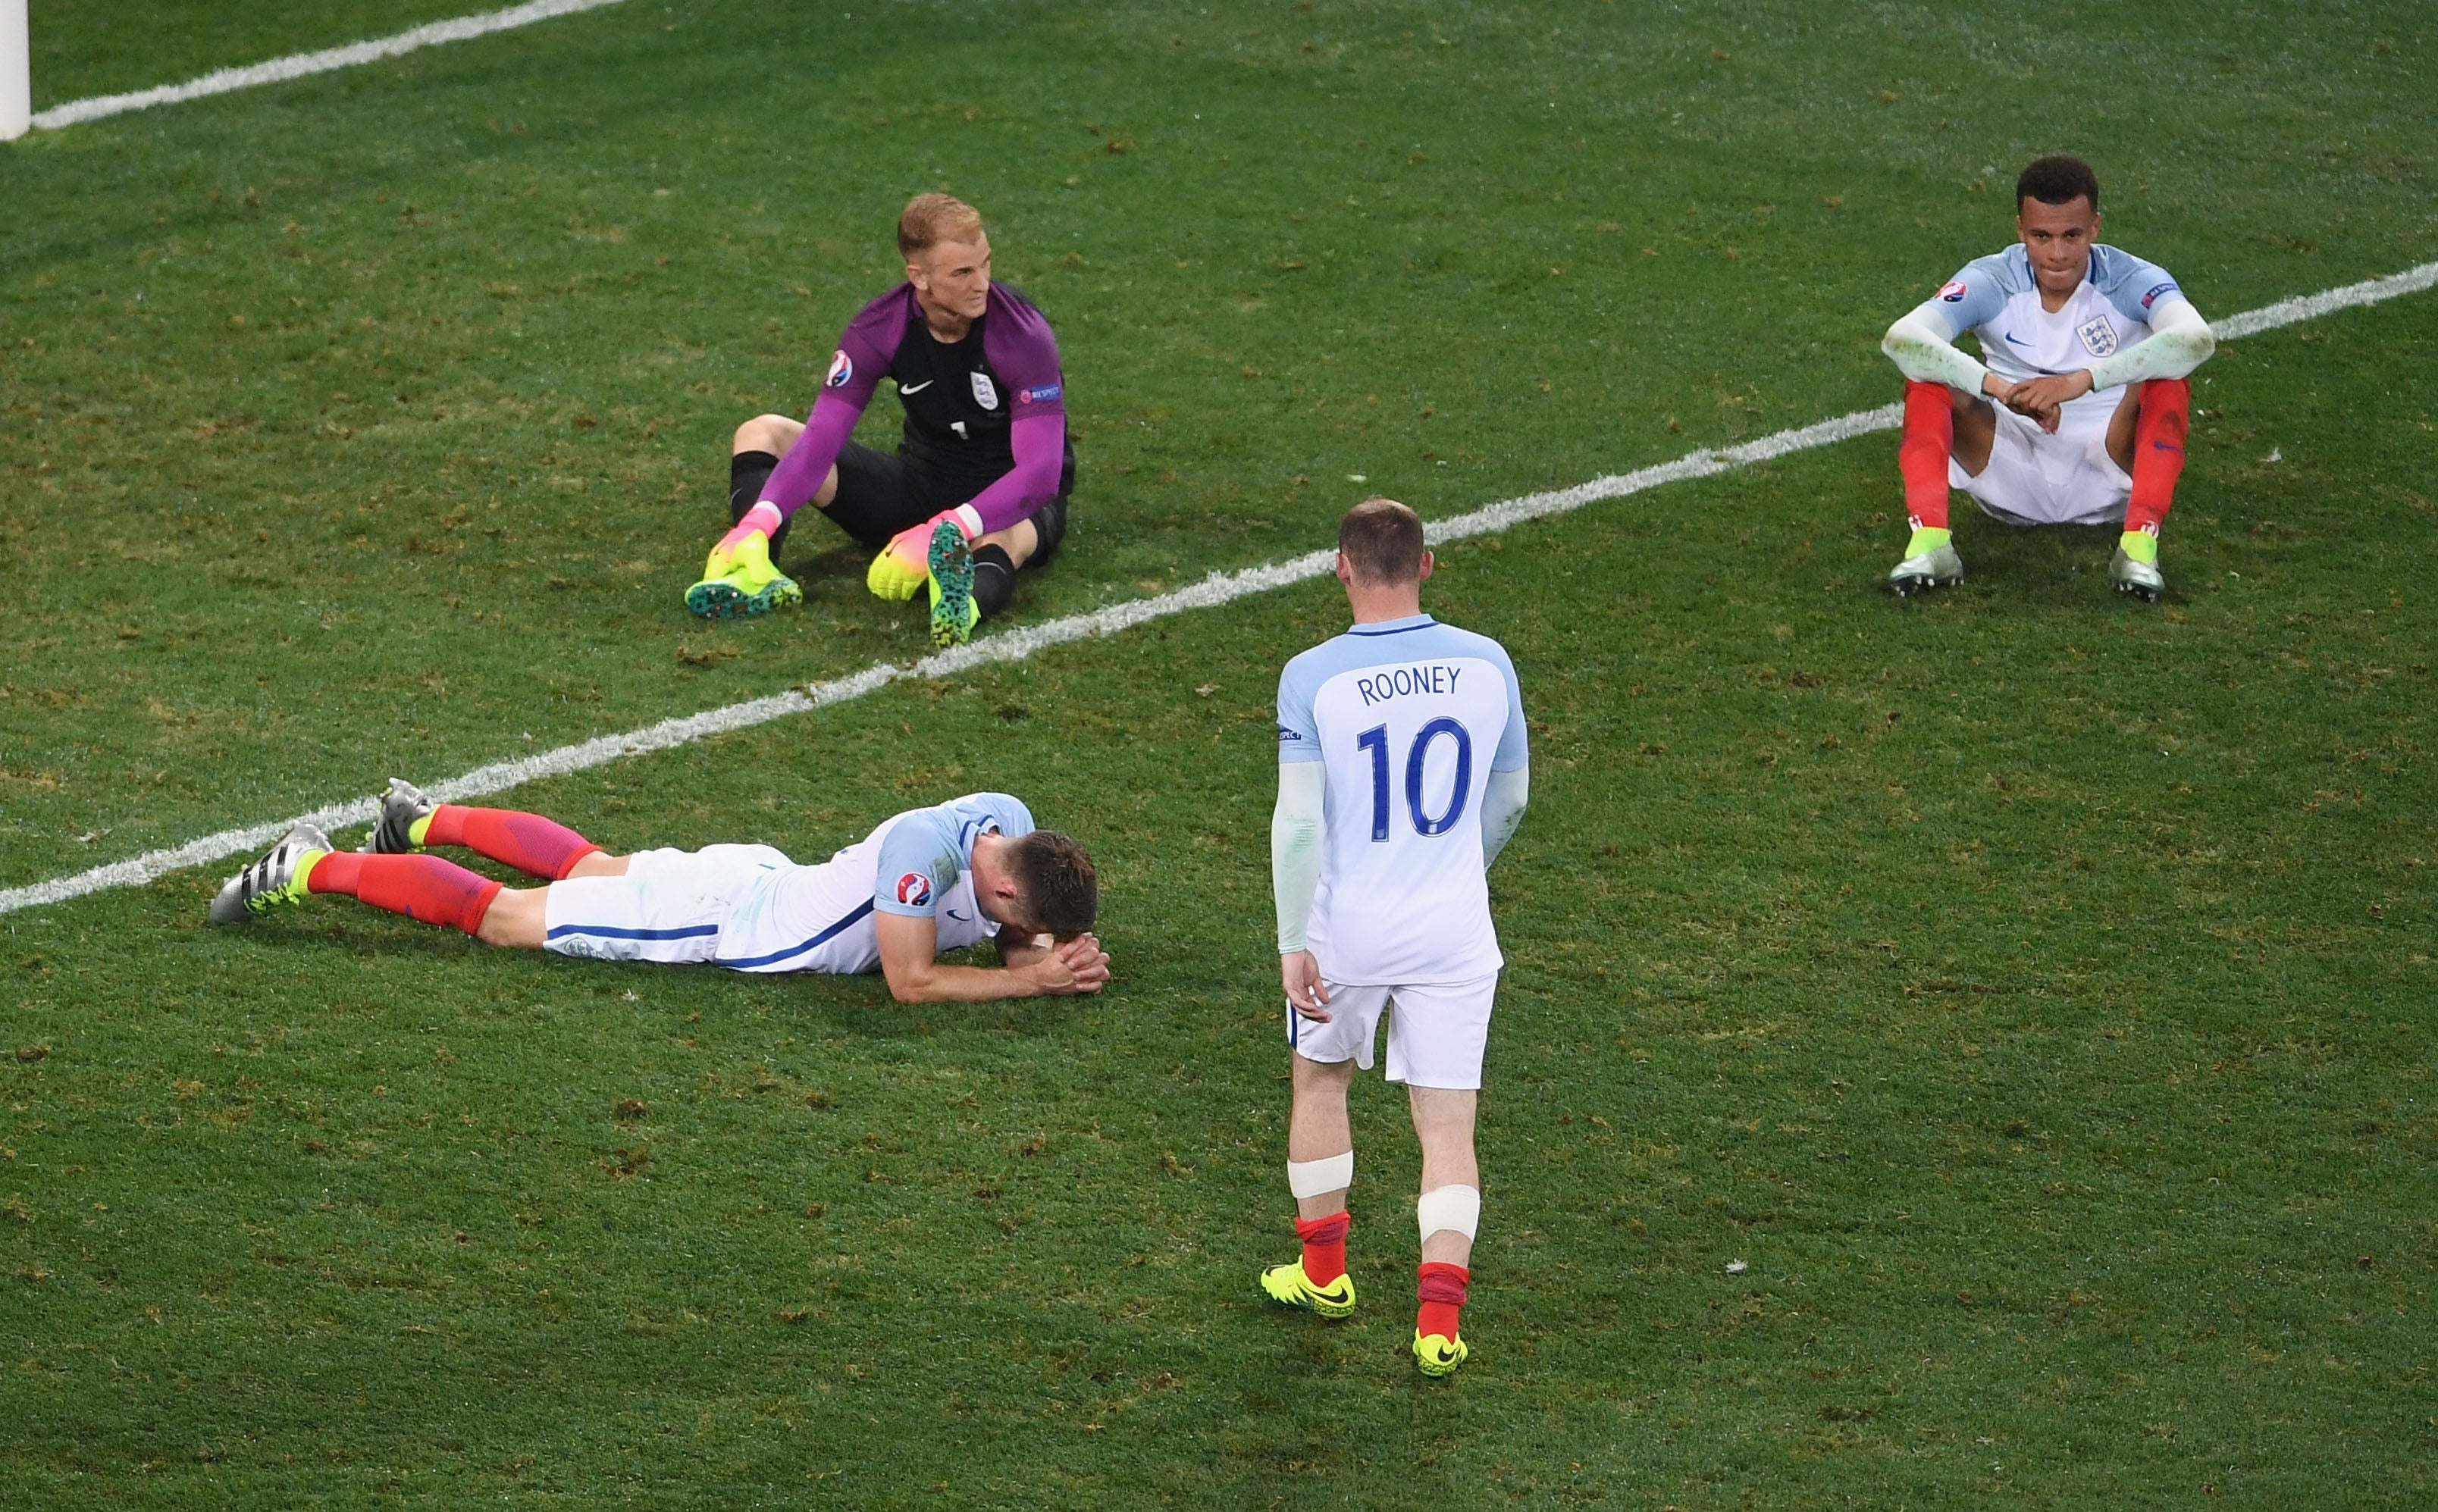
(909, 959)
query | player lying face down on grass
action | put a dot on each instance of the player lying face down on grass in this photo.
(979, 486)
(926, 881)
(2085, 350)
(1402, 772)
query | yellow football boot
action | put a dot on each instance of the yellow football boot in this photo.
(1438, 1355)
(1289, 1285)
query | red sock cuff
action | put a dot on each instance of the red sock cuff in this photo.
(1324, 1246)
(1439, 1281)
(1330, 1230)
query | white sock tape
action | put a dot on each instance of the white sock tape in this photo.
(1455, 1207)
(1318, 1178)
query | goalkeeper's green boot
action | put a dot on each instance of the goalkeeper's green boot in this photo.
(750, 586)
(954, 613)
(1287, 1284)
(1929, 562)
(275, 879)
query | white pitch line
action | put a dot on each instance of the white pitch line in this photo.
(1016, 645)
(298, 66)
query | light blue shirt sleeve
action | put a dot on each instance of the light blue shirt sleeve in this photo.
(919, 862)
(1977, 293)
(1513, 742)
(2133, 285)
(1299, 733)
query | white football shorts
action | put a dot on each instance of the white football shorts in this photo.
(2037, 478)
(1436, 1033)
(669, 907)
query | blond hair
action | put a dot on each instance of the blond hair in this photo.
(931, 219)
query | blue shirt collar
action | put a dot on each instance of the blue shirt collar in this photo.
(1411, 622)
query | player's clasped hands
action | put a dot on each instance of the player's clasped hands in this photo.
(1299, 974)
(1079, 966)
(2042, 399)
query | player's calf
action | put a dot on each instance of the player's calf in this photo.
(1316, 1280)
(1922, 456)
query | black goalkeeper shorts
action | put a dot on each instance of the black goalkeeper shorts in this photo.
(879, 495)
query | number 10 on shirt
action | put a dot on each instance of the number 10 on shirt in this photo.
(1375, 741)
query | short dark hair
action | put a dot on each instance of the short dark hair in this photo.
(1383, 543)
(1057, 891)
(2057, 181)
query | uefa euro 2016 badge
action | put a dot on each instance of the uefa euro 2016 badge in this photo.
(842, 369)
(985, 392)
(2098, 336)
(915, 889)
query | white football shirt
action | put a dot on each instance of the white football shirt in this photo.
(1998, 299)
(1410, 716)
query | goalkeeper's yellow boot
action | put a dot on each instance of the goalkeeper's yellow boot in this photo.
(276, 878)
(740, 580)
(954, 613)
(1437, 1354)
(1287, 1284)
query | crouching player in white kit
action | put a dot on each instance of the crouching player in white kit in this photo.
(926, 881)
(2085, 349)
(1401, 774)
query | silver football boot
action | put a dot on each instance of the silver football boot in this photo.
(270, 880)
(400, 807)
(1939, 567)
(2140, 579)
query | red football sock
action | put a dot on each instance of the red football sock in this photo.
(1921, 455)
(1324, 1246)
(534, 845)
(2158, 452)
(1440, 1288)
(423, 888)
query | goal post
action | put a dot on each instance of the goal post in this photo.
(16, 72)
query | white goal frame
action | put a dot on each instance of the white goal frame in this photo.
(16, 72)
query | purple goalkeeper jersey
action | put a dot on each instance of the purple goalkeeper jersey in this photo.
(988, 411)
(960, 397)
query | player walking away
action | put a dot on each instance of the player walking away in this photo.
(1401, 774)
(2086, 350)
(979, 486)
(926, 881)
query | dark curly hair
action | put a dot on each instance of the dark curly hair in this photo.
(2058, 181)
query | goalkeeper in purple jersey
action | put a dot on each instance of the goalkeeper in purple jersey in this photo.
(977, 487)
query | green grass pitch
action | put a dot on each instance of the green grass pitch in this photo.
(2032, 988)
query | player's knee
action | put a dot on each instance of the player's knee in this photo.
(766, 432)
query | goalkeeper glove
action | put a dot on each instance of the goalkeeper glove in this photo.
(904, 565)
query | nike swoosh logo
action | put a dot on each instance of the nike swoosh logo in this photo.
(959, 917)
(2017, 340)
(916, 388)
